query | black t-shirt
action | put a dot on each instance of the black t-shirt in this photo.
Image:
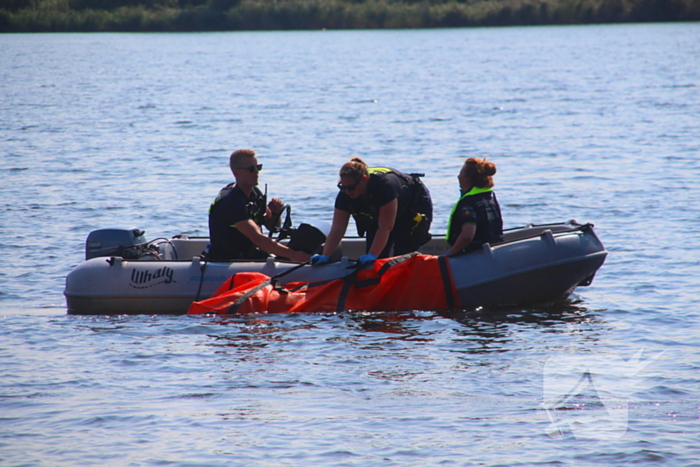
(382, 188)
(481, 209)
(230, 207)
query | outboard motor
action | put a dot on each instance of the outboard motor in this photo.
(113, 242)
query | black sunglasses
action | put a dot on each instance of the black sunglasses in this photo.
(252, 168)
(342, 187)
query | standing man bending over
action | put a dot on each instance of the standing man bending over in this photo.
(239, 211)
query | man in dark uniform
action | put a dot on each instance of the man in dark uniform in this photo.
(239, 211)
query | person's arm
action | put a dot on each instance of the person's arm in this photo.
(338, 228)
(386, 221)
(251, 230)
(464, 238)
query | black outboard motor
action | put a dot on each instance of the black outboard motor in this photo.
(113, 242)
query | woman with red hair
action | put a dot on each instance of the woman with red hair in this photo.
(476, 218)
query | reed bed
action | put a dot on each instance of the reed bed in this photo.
(240, 15)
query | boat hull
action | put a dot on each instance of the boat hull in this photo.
(536, 264)
(539, 269)
(118, 286)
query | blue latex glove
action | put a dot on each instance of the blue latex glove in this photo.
(366, 259)
(318, 260)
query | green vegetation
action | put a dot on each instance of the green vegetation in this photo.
(232, 15)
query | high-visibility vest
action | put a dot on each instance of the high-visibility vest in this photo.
(474, 191)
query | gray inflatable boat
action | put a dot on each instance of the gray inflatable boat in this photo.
(125, 274)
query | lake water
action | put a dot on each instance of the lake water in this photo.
(595, 123)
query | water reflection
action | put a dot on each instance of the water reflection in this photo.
(254, 333)
(405, 324)
(569, 311)
(266, 339)
(402, 324)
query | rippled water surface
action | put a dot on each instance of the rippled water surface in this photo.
(595, 123)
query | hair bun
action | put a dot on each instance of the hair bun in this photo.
(480, 171)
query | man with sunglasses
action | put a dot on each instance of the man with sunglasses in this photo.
(393, 209)
(239, 211)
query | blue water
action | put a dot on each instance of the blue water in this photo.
(595, 123)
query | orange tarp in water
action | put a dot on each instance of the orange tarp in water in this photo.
(409, 282)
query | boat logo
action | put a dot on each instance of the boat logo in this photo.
(144, 279)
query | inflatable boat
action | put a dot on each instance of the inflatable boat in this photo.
(125, 274)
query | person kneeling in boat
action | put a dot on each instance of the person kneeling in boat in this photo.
(394, 210)
(239, 211)
(476, 218)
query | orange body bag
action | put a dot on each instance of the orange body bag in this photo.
(409, 282)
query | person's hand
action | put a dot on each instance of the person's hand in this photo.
(275, 205)
(366, 259)
(318, 260)
(299, 256)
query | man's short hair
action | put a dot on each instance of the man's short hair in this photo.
(238, 155)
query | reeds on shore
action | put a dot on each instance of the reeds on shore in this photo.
(239, 15)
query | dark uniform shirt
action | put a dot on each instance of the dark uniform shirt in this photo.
(383, 186)
(482, 210)
(230, 207)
